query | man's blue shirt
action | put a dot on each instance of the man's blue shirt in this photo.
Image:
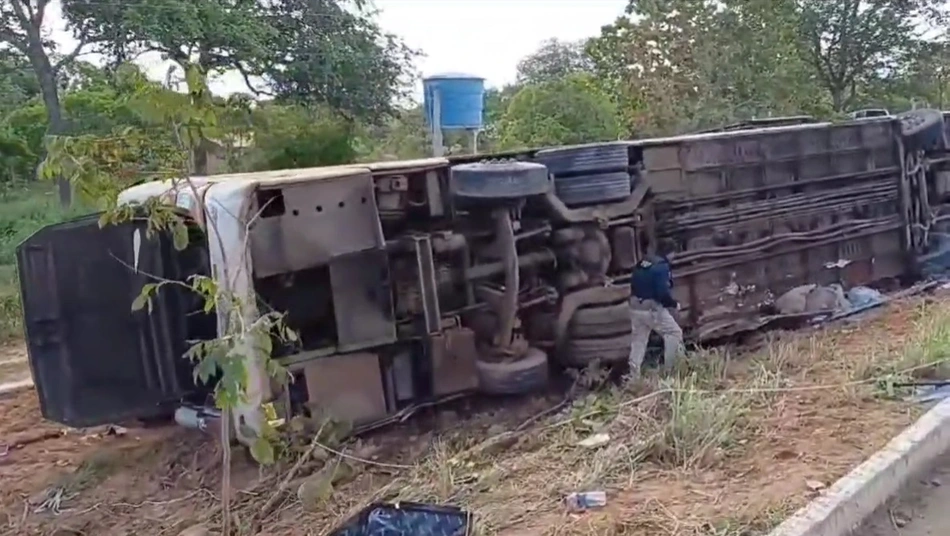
(652, 279)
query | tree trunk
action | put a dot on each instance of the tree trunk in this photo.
(837, 98)
(199, 95)
(201, 158)
(46, 76)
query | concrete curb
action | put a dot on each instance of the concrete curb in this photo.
(846, 504)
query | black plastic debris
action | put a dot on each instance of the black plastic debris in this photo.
(406, 519)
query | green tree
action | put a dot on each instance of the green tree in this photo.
(201, 36)
(403, 135)
(554, 59)
(332, 52)
(566, 111)
(850, 43)
(293, 136)
(924, 80)
(22, 29)
(496, 104)
(658, 56)
(757, 68)
(680, 65)
(17, 82)
(100, 109)
(210, 35)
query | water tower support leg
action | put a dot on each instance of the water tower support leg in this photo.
(437, 145)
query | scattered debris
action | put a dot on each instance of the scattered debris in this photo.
(318, 488)
(407, 518)
(19, 443)
(794, 301)
(899, 519)
(929, 393)
(116, 430)
(815, 485)
(827, 298)
(586, 500)
(196, 530)
(594, 441)
(861, 297)
(52, 501)
(813, 299)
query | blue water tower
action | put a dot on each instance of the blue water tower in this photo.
(453, 101)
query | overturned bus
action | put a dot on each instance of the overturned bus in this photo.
(416, 281)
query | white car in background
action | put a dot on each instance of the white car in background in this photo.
(869, 112)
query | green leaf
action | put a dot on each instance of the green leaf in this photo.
(290, 334)
(265, 344)
(277, 371)
(139, 302)
(205, 369)
(180, 235)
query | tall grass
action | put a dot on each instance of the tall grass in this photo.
(24, 209)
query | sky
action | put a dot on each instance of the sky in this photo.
(486, 38)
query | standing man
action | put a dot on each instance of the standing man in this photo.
(651, 299)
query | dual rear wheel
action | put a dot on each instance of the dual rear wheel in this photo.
(579, 175)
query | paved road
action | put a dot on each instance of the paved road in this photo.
(923, 509)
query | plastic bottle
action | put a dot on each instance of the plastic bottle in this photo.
(586, 500)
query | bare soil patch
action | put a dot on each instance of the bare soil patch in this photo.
(13, 364)
(730, 446)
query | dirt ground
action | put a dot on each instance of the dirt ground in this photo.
(13, 365)
(731, 445)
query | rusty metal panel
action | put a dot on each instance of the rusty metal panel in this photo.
(846, 137)
(814, 142)
(780, 146)
(668, 183)
(347, 387)
(453, 362)
(662, 158)
(758, 213)
(701, 184)
(362, 300)
(877, 134)
(704, 154)
(319, 220)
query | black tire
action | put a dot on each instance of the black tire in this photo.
(582, 352)
(923, 128)
(585, 158)
(610, 320)
(528, 374)
(916, 121)
(593, 188)
(499, 180)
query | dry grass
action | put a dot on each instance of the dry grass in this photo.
(723, 448)
(682, 449)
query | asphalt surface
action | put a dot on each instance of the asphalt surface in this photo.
(922, 509)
